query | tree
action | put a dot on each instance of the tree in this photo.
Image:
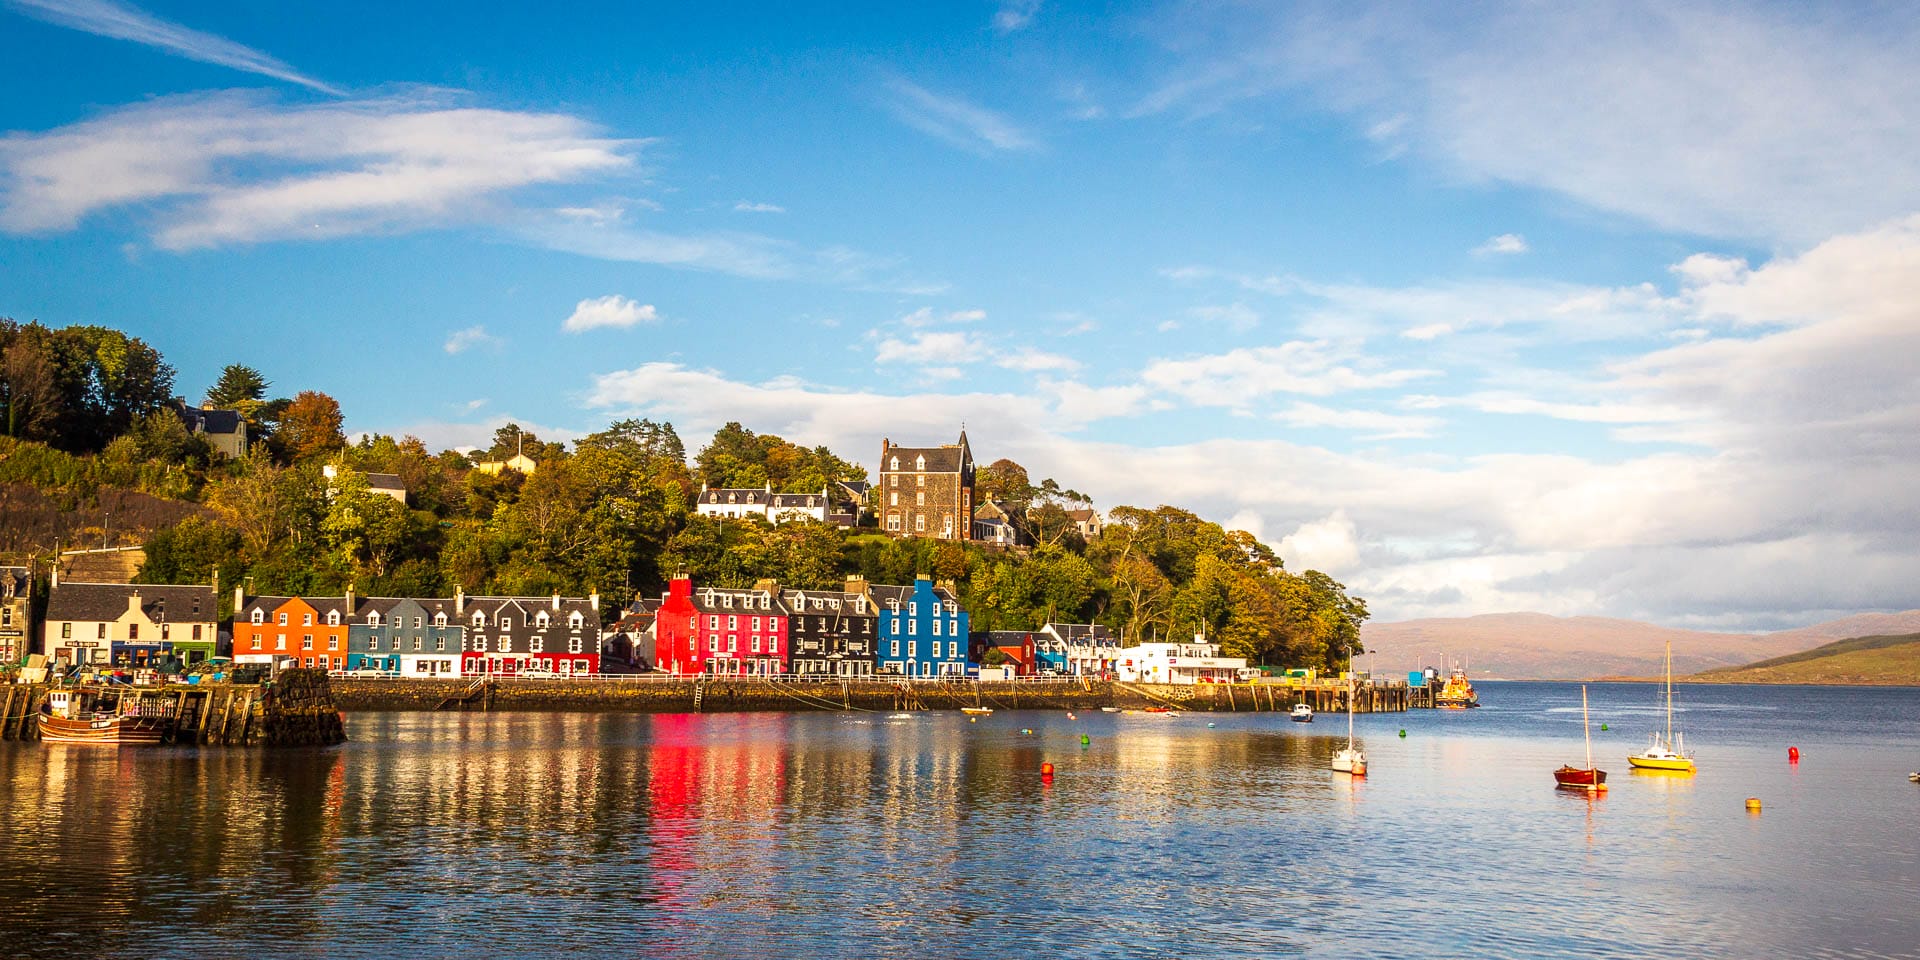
(27, 388)
(310, 427)
(1003, 479)
(239, 387)
(106, 380)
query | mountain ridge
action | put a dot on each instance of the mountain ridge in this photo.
(1525, 645)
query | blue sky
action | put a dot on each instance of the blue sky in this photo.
(1479, 308)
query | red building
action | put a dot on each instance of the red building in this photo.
(722, 631)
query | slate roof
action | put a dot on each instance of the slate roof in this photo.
(108, 601)
(385, 481)
(735, 496)
(945, 459)
(829, 601)
(1082, 633)
(713, 600)
(798, 501)
(854, 488)
(883, 592)
(202, 420)
(20, 580)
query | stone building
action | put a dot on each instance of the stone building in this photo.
(16, 592)
(926, 491)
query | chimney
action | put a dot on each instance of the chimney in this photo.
(349, 611)
(856, 583)
(767, 585)
(593, 600)
(556, 601)
(680, 588)
(239, 596)
(133, 602)
(459, 600)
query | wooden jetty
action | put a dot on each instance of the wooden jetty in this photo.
(295, 709)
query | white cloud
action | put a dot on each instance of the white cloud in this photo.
(125, 22)
(460, 341)
(1242, 377)
(1429, 332)
(609, 311)
(928, 348)
(1783, 123)
(1015, 14)
(750, 255)
(1504, 244)
(1237, 317)
(1329, 545)
(1029, 360)
(1368, 424)
(955, 120)
(748, 206)
(237, 168)
(928, 317)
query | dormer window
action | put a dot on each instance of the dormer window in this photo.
(895, 464)
(333, 618)
(542, 621)
(574, 621)
(373, 619)
(920, 463)
(479, 620)
(440, 619)
(259, 616)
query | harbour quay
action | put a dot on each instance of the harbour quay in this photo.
(665, 693)
(295, 708)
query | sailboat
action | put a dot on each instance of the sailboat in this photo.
(1350, 760)
(1588, 778)
(1664, 753)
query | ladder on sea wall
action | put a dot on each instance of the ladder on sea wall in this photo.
(478, 690)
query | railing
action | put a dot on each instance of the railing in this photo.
(892, 679)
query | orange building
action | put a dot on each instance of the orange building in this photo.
(308, 631)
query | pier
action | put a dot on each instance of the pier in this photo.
(662, 693)
(295, 709)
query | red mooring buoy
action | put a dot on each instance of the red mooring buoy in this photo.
(1793, 754)
(1046, 771)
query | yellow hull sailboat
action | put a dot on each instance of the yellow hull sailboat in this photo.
(1668, 752)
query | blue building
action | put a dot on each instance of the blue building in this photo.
(922, 630)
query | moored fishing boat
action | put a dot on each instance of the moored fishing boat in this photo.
(1301, 713)
(100, 716)
(977, 711)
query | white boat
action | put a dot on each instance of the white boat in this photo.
(1668, 752)
(1109, 709)
(1350, 760)
(1301, 713)
(977, 711)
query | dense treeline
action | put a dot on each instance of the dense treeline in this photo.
(86, 411)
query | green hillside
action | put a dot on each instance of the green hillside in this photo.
(1891, 660)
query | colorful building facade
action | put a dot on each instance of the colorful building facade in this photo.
(922, 630)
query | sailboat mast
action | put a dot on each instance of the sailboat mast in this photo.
(1586, 726)
(1670, 694)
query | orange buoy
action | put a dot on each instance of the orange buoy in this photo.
(1793, 754)
(1753, 804)
(1046, 771)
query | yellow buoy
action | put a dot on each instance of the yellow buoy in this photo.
(1753, 804)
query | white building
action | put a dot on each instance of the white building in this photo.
(799, 506)
(1178, 663)
(731, 503)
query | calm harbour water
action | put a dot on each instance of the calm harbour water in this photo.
(860, 836)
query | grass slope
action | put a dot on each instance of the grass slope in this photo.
(1865, 660)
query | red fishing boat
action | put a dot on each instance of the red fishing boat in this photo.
(1589, 778)
(101, 716)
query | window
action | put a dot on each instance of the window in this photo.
(894, 464)
(713, 622)
(573, 645)
(896, 648)
(306, 619)
(479, 620)
(923, 480)
(913, 608)
(542, 621)
(913, 648)
(756, 624)
(506, 623)
(333, 643)
(539, 644)
(574, 621)
(333, 618)
(258, 616)
(66, 631)
(373, 619)
(416, 644)
(480, 644)
(893, 522)
(913, 627)
(733, 644)
(306, 642)
(280, 641)
(309, 663)
(440, 644)
(733, 623)
(953, 648)
(416, 623)
(919, 524)
(756, 643)
(919, 463)
(919, 498)
(713, 643)
(196, 631)
(893, 499)
(103, 631)
(440, 619)
(936, 628)
(283, 620)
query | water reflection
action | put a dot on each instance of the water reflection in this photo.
(861, 835)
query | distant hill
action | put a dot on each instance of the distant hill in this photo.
(1537, 646)
(1876, 660)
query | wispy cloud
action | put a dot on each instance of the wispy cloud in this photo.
(125, 22)
(1015, 14)
(609, 311)
(1029, 360)
(1504, 244)
(236, 168)
(955, 119)
(748, 206)
(460, 341)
